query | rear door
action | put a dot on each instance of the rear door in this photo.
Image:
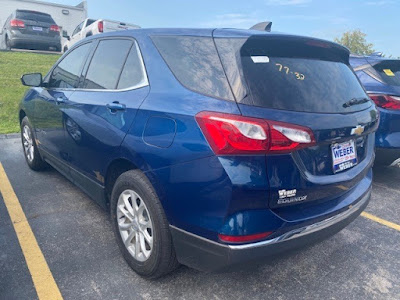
(308, 83)
(102, 110)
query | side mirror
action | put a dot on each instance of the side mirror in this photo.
(34, 79)
(65, 35)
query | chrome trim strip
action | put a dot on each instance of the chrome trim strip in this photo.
(143, 83)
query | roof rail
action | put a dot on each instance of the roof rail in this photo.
(263, 26)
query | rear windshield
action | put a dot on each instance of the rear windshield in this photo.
(389, 70)
(35, 16)
(280, 75)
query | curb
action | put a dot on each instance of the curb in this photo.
(9, 136)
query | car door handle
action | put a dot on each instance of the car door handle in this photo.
(60, 100)
(116, 106)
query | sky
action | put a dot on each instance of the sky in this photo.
(325, 19)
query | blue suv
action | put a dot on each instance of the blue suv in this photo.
(381, 78)
(209, 147)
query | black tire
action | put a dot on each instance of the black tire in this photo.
(65, 49)
(162, 259)
(7, 43)
(54, 48)
(37, 163)
(386, 157)
(384, 161)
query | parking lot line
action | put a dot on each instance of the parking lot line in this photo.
(381, 221)
(43, 280)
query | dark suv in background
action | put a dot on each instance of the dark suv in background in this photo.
(31, 30)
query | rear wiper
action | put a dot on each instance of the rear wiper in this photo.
(355, 101)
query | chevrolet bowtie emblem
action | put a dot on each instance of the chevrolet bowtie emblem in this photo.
(357, 130)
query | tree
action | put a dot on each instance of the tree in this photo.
(356, 42)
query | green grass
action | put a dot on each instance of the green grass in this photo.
(12, 66)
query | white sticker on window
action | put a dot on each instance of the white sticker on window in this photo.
(260, 59)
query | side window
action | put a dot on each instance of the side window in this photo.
(133, 73)
(66, 74)
(107, 63)
(77, 29)
(195, 63)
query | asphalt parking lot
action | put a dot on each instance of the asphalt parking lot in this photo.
(75, 237)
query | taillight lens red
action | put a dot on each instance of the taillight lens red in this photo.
(386, 101)
(54, 28)
(100, 26)
(243, 238)
(233, 134)
(17, 23)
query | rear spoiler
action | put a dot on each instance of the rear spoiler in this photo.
(263, 26)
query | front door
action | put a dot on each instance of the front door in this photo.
(49, 106)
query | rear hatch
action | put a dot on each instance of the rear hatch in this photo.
(37, 23)
(309, 86)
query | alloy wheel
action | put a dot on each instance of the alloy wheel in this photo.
(135, 225)
(28, 143)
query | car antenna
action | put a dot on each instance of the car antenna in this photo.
(263, 26)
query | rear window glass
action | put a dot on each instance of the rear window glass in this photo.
(271, 74)
(90, 22)
(35, 16)
(66, 74)
(389, 71)
(195, 63)
(107, 63)
(133, 73)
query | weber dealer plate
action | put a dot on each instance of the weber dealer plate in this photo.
(344, 156)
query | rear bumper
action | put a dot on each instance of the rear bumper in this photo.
(388, 133)
(34, 40)
(206, 255)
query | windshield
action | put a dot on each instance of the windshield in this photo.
(282, 76)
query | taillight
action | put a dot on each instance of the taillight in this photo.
(17, 23)
(100, 26)
(243, 238)
(54, 28)
(386, 101)
(233, 134)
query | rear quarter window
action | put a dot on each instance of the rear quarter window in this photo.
(195, 63)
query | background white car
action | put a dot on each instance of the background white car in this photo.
(91, 27)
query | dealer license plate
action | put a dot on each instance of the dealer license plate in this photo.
(344, 156)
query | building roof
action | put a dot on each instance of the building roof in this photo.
(80, 6)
